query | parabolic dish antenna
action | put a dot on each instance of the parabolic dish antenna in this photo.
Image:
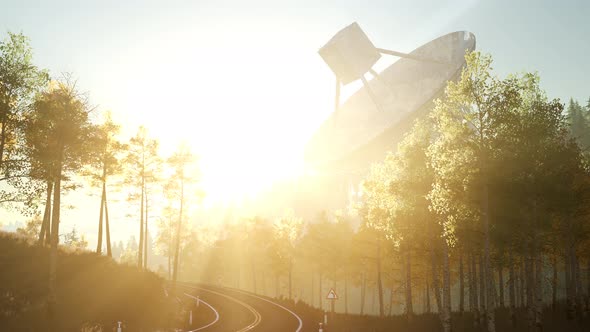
(374, 118)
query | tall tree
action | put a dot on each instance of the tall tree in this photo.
(183, 164)
(61, 118)
(141, 160)
(396, 202)
(288, 231)
(20, 79)
(579, 123)
(105, 166)
(468, 121)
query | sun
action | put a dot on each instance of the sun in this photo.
(242, 150)
(247, 117)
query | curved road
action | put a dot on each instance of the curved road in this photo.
(231, 310)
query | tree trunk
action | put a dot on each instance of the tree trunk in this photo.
(528, 267)
(428, 309)
(461, 285)
(554, 283)
(178, 229)
(170, 244)
(578, 285)
(488, 276)
(141, 237)
(379, 284)
(44, 234)
(51, 298)
(108, 230)
(170, 264)
(538, 288)
(501, 285)
(253, 277)
(482, 291)
(494, 288)
(332, 309)
(373, 292)
(409, 307)
(145, 233)
(475, 297)
(570, 304)
(391, 299)
(4, 124)
(312, 289)
(588, 285)
(517, 288)
(446, 313)
(363, 292)
(290, 277)
(522, 279)
(470, 286)
(436, 282)
(320, 291)
(345, 293)
(100, 218)
(511, 292)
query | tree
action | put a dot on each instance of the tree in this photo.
(469, 120)
(19, 81)
(74, 241)
(129, 254)
(106, 165)
(396, 203)
(320, 246)
(165, 238)
(287, 232)
(61, 123)
(31, 229)
(141, 162)
(578, 123)
(183, 163)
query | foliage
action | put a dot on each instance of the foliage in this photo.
(75, 241)
(31, 229)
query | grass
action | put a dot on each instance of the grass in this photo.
(93, 292)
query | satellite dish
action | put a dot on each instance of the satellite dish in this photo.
(375, 117)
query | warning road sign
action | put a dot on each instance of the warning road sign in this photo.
(332, 295)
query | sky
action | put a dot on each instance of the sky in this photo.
(242, 82)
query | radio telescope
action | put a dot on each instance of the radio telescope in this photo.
(374, 119)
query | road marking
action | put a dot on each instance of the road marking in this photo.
(257, 316)
(278, 305)
(210, 307)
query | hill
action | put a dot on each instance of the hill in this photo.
(94, 292)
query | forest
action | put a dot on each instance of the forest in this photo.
(481, 210)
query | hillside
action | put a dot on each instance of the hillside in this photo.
(92, 290)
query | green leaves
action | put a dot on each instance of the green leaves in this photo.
(58, 127)
(503, 133)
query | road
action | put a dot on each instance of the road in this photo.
(231, 310)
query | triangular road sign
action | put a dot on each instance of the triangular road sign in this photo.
(332, 295)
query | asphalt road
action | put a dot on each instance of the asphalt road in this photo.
(231, 310)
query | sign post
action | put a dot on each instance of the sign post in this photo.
(332, 296)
